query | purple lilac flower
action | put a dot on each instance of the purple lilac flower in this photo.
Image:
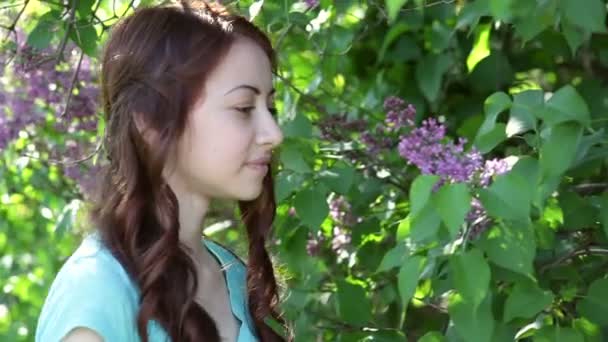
(377, 141)
(393, 102)
(340, 211)
(311, 3)
(314, 243)
(424, 148)
(491, 168)
(340, 242)
(398, 114)
(477, 220)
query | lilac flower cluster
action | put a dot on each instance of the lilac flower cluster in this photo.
(340, 243)
(314, 243)
(491, 168)
(429, 149)
(35, 78)
(424, 147)
(334, 127)
(341, 213)
(377, 141)
(311, 3)
(38, 85)
(398, 114)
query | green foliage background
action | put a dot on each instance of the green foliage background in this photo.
(520, 78)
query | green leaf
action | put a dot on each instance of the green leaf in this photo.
(559, 149)
(420, 192)
(471, 275)
(501, 9)
(300, 127)
(275, 326)
(354, 306)
(425, 225)
(558, 334)
(394, 257)
(578, 212)
(575, 36)
(472, 324)
(594, 306)
(493, 106)
(491, 134)
(429, 74)
(512, 247)
(587, 145)
(292, 158)
(565, 105)
(525, 301)
(339, 178)
(488, 141)
(481, 46)
(522, 117)
(311, 206)
(393, 7)
(404, 228)
(492, 73)
(471, 12)
(408, 278)
(341, 39)
(286, 184)
(452, 203)
(603, 212)
(509, 197)
(84, 35)
(591, 331)
(394, 32)
(432, 336)
(439, 37)
(588, 14)
(534, 18)
(84, 8)
(47, 25)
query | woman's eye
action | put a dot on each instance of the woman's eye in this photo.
(246, 110)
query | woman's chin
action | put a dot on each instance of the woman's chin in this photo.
(250, 194)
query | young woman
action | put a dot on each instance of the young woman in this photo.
(188, 98)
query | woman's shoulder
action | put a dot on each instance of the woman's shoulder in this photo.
(92, 264)
(90, 290)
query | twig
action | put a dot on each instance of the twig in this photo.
(431, 4)
(320, 108)
(72, 84)
(11, 5)
(590, 188)
(585, 249)
(68, 162)
(127, 9)
(11, 27)
(64, 41)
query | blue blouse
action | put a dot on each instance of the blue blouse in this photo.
(93, 290)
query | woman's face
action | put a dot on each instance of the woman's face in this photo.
(229, 127)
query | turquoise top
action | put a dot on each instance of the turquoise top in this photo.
(93, 290)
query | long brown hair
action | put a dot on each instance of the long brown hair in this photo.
(154, 64)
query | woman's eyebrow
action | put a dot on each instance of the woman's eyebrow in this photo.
(250, 87)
